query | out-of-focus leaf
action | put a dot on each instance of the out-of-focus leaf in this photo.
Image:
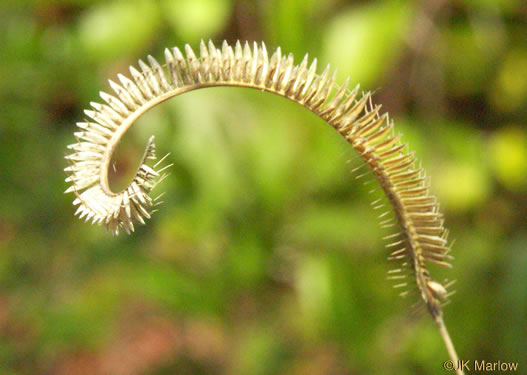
(118, 28)
(314, 288)
(492, 6)
(343, 226)
(193, 20)
(510, 88)
(257, 352)
(364, 42)
(461, 186)
(468, 54)
(508, 157)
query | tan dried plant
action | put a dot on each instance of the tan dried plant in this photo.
(421, 238)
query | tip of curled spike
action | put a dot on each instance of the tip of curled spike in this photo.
(116, 211)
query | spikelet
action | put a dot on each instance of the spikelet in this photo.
(422, 238)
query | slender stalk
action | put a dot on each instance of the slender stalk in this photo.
(423, 238)
(449, 344)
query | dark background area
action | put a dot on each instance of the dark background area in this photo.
(266, 257)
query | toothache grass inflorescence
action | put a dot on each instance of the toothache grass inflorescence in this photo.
(422, 237)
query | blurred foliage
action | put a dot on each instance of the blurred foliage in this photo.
(266, 257)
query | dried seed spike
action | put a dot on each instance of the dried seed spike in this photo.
(159, 74)
(370, 122)
(115, 103)
(237, 62)
(344, 106)
(212, 48)
(193, 64)
(91, 137)
(333, 103)
(263, 70)
(238, 51)
(132, 89)
(205, 62)
(324, 92)
(274, 69)
(175, 78)
(95, 129)
(215, 62)
(284, 81)
(255, 64)
(395, 163)
(422, 238)
(228, 62)
(348, 124)
(318, 81)
(204, 52)
(300, 80)
(395, 150)
(225, 47)
(100, 118)
(150, 79)
(124, 95)
(380, 134)
(309, 80)
(181, 66)
(108, 111)
(247, 58)
(141, 82)
(389, 142)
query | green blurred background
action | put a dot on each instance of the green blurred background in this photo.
(266, 257)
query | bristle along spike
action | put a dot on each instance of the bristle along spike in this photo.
(421, 238)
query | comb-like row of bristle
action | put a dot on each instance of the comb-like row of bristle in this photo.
(422, 238)
(115, 211)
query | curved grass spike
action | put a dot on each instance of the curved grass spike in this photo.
(422, 237)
